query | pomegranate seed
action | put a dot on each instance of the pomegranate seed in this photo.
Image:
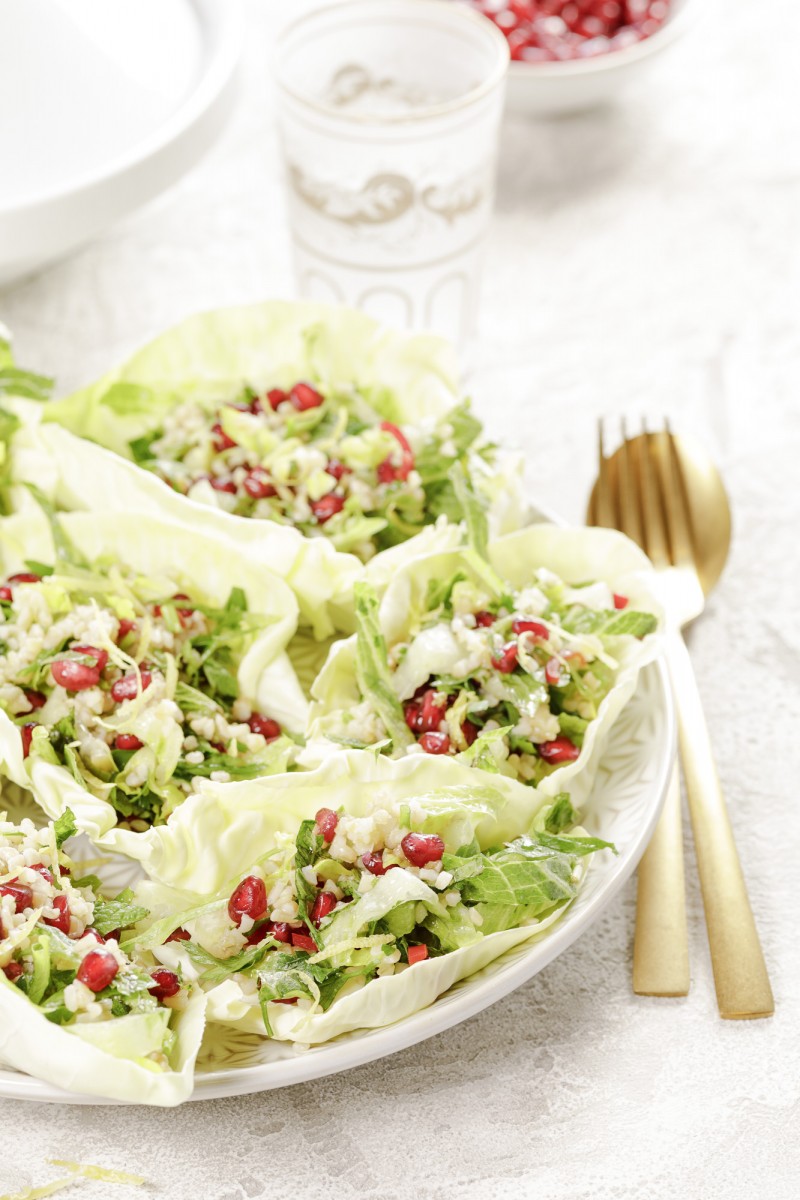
(620, 601)
(25, 577)
(417, 954)
(609, 11)
(303, 397)
(552, 671)
(287, 999)
(303, 942)
(435, 743)
(258, 484)
(326, 821)
(165, 983)
(373, 862)
(561, 750)
(183, 613)
(127, 688)
(411, 711)
(100, 656)
(35, 699)
(422, 848)
(20, 892)
(5, 594)
(98, 937)
(388, 471)
(98, 969)
(506, 661)
(469, 731)
(44, 871)
(127, 741)
(125, 627)
(276, 396)
(280, 931)
(26, 733)
(327, 507)
(13, 971)
(61, 905)
(431, 714)
(257, 934)
(485, 618)
(180, 935)
(268, 728)
(74, 676)
(522, 625)
(220, 439)
(248, 899)
(337, 469)
(222, 485)
(324, 904)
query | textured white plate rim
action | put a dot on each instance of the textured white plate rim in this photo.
(573, 68)
(355, 1050)
(226, 21)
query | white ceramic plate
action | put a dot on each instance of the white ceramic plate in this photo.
(550, 88)
(103, 106)
(623, 808)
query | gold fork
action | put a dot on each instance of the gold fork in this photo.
(643, 489)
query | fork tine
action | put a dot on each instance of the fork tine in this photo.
(602, 509)
(653, 517)
(672, 498)
(630, 521)
(680, 514)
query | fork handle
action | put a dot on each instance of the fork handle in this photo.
(740, 973)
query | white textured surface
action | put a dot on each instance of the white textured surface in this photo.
(642, 259)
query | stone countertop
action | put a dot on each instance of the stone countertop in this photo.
(644, 259)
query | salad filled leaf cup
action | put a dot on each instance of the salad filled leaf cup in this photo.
(308, 434)
(142, 666)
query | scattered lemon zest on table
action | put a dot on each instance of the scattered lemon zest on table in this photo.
(78, 1173)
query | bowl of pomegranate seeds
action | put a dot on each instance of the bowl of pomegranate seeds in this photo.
(568, 55)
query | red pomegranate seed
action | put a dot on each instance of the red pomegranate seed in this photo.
(561, 750)
(373, 862)
(74, 676)
(183, 613)
(280, 931)
(268, 728)
(6, 594)
(25, 577)
(411, 711)
(220, 439)
(35, 699)
(326, 821)
(26, 733)
(44, 871)
(98, 937)
(431, 713)
(61, 905)
(469, 731)
(165, 983)
(179, 935)
(302, 942)
(125, 627)
(287, 999)
(100, 656)
(620, 601)
(127, 688)
(552, 671)
(337, 469)
(13, 971)
(258, 484)
(248, 899)
(276, 396)
(435, 743)
(303, 396)
(422, 848)
(222, 485)
(324, 904)
(20, 892)
(522, 625)
(327, 507)
(98, 969)
(417, 954)
(127, 741)
(389, 471)
(485, 618)
(506, 660)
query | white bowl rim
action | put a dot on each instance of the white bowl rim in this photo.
(227, 19)
(673, 27)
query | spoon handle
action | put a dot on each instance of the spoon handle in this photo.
(740, 973)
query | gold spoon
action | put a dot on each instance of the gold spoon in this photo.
(666, 494)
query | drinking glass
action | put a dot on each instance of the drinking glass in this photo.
(389, 114)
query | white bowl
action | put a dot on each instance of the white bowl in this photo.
(549, 88)
(103, 106)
